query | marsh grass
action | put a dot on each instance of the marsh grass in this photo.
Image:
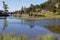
(47, 37)
(25, 37)
(12, 37)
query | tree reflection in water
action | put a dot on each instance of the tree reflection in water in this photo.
(5, 24)
(32, 25)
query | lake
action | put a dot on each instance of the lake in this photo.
(24, 27)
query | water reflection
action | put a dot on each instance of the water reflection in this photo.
(24, 27)
(32, 24)
(5, 23)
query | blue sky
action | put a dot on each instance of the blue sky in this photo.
(17, 4)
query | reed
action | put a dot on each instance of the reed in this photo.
(25, 37)
(12, 37)
(47, 37)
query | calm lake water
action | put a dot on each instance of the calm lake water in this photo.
(24, 27)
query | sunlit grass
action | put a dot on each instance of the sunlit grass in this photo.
(25, 37)
(12, 37)
(47, 37)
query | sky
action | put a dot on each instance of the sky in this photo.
(17, 4)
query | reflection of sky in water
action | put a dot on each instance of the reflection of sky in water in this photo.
(18, 26)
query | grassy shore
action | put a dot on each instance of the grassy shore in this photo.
(40, 18)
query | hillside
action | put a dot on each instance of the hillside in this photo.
(50, 5)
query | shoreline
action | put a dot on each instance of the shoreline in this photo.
(40, 18)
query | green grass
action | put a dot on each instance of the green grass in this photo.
(11, 37)
(47, 37)
(25, 37)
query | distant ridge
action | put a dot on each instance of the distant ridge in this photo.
(50, 5)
